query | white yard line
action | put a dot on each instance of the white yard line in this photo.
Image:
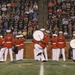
(42, 69)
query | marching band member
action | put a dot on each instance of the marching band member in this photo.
(54, 47)
(70, 53)
(2, 48)
(61, 44)
(22, 40)
(47, 37)
(17, 44)
(73, 49)
(40, 47)
(35, 51)
(9, 40)
(40, 50)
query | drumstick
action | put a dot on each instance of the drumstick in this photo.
(39, 37)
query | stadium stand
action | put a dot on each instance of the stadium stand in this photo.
(23, 15)
(61, 16)
(19, 15)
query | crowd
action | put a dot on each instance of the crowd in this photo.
(22, 15)
(19, 15)
(61, 17)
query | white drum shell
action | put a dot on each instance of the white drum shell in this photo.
(72, 43)
(38, 35)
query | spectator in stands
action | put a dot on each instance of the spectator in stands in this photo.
(15, 32)
(24, 33)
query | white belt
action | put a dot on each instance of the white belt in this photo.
(17, 45)
(21, 44)
(8, 42)
(61, 42)
(54, 43)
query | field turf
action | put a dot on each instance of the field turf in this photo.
(31, 67)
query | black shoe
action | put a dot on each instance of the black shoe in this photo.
(74, 60)
(21, 59)
(69, 58)
(12, 62)
(1, 61)
(44, 61)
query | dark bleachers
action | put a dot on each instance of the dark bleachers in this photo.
(61, 17)
(17, 15)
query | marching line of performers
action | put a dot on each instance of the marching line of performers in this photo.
(58, 46)
(9, 44)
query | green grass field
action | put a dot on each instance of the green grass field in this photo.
(31, 67)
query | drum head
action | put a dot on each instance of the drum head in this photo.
(38, 35)
(72, 43)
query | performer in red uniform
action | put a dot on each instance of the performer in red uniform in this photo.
(17, 44)
(54, 47)
(40, 47)
(2, 48)
(73, 49)
(9, 40)
(47, 38)
(35, 51)
(61, 44)
(22, 40)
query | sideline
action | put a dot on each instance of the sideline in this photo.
(41, 69)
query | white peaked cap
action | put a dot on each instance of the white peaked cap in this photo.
(17, 36)
(42, 29)
(54, 34)
(47, 31)
(74, 34)
(60, 32)
(8, 30)
(21, 35)
(1, 36)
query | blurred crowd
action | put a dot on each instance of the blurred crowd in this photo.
(19, 16)
(61, 17)
(22, 16)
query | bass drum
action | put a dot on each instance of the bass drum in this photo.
(72, 43)
(38, 35)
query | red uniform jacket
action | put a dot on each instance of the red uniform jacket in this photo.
(2, 43)
(34, 41)
(44, 42)
(22, 40)
(61, 42)
(9, 40)
(54, 42)
(17, 43)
